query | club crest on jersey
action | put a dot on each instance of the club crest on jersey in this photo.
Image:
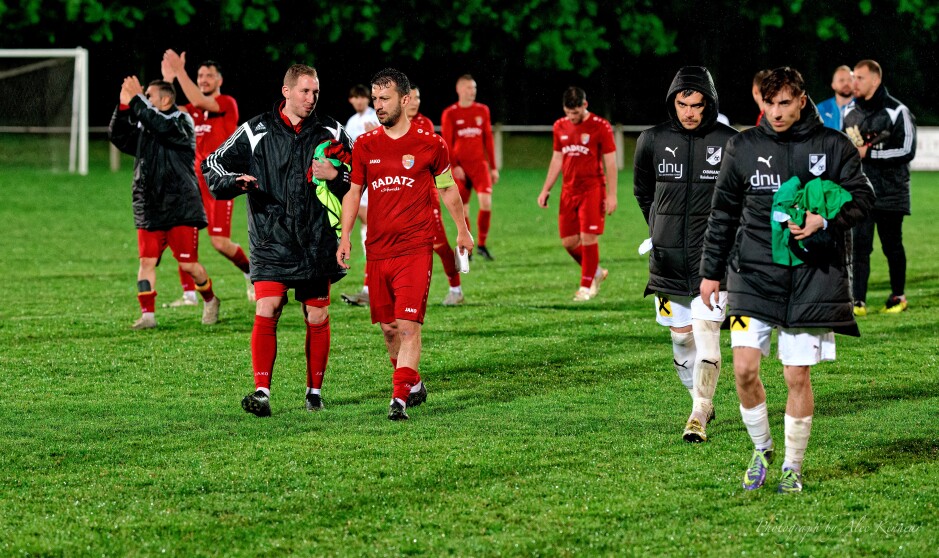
(714, 154)
(407, 161)
(817, 163)
(479, 120)
(584, 138)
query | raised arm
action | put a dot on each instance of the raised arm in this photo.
(174, 66)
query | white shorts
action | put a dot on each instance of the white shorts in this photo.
(798, 346)
(679, 311)
(363, 201)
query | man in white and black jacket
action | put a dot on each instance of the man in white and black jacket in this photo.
(887, 130)
(808, 303)
(283, 160)
(676, 166)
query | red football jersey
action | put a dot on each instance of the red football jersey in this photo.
(583, 147)
(422, 122)
(468, 132)
(213, 128)
(400, 177)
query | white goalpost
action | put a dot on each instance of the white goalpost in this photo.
(77, 127)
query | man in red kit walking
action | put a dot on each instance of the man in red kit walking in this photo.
(467, 129)
(401, 165)
(162, 138)
(216, 118)
(298, 165)
(585, 152)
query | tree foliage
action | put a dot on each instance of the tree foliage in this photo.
(567, 35)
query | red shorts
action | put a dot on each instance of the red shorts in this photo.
(440, 232)
(218, 212)
(314, 292)
(477, 178)
(582, 212)
(398, 287)
(183, 241)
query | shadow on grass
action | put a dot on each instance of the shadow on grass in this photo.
(864, 400)
(869, 460)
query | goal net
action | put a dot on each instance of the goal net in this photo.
(44, 108)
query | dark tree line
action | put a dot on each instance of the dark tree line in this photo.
(522, 52)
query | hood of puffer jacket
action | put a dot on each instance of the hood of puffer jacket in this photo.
(696, 78)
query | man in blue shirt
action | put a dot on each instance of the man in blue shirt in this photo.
(832, 110)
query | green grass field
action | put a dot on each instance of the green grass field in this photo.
(552, 428)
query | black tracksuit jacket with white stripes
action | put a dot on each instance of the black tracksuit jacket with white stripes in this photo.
(887, 163)
(288, 227)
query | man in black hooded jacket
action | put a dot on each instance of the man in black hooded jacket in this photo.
(676, 166)
(808, 303)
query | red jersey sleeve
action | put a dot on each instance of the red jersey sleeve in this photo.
(441, 161)
(358, 175)
(557, 135)
(487, 138)
(607, 142)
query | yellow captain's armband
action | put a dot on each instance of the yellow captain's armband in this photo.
(445, 179)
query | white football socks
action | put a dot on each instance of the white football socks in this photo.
(707, 364)
(314, 391)
(797, 438)
(190, 296)
(457, 290)
(757, 422)
(684, 352)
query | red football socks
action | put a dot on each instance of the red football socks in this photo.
(240, 260)
(588, 268)
(205, 290)
(448, 259)
(263, 350)
(403, 380)
(147, 301)
(186, 280)
(317, 353)
(482, 223)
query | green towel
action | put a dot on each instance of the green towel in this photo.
(791, 201)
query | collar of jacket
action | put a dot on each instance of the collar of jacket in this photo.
(304, 123)
(876, 102)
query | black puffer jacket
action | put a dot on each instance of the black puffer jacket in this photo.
(165, 192)
(887, 163)
(675, 172)
(288, 227)
(739, 235)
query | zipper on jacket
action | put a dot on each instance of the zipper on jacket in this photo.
(688, 185)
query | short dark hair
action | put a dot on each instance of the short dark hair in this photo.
(782, 78)
(294, 72)
(690, 92)
(760, 76)
(574, 97)
(465, 77)
(872, 66)
(359, 90)
(212, 64)
(166, 88)
(389, 76)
